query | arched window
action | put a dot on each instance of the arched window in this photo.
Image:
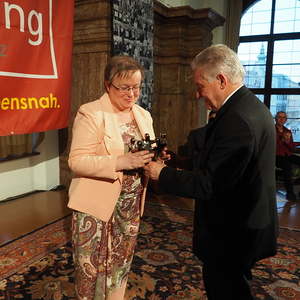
(270, 52)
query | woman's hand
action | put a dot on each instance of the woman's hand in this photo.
(133, 160)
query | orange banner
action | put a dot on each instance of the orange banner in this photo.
(35, 65)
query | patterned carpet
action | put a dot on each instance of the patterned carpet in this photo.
(39, 265)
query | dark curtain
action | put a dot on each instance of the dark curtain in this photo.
(17, 145)
(232, 23)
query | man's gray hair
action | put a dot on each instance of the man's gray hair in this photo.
(219, 59)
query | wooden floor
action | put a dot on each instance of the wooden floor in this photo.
(24, 215)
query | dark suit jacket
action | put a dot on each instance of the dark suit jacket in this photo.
(233, 184)
(189, 152)
(196, 144)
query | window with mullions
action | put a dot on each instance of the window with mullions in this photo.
(270, 52)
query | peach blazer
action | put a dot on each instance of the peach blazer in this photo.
(96, 143)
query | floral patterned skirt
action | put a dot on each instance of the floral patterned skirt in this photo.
(103, 251)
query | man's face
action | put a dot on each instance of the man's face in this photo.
(281, 118)
(209, 90)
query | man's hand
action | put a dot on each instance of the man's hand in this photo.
(153, 169)
(164, 155)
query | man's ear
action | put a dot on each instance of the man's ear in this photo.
(223, 80)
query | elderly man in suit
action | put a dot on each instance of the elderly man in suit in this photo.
(233, 183)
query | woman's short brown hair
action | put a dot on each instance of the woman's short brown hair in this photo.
(121, 66)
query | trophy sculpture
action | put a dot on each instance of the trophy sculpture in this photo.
(156, 146)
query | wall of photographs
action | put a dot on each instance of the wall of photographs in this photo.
(132, 22)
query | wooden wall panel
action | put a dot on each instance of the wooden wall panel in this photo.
(91, 49)
(179, 34)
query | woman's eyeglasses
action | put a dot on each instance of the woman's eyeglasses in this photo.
(127, 89)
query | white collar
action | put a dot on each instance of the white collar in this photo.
(231, 94)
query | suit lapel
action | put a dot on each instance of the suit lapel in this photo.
(142, 122)
(112, 137)
(207, 144)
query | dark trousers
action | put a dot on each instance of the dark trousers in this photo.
(286, 164)
(226, 281)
